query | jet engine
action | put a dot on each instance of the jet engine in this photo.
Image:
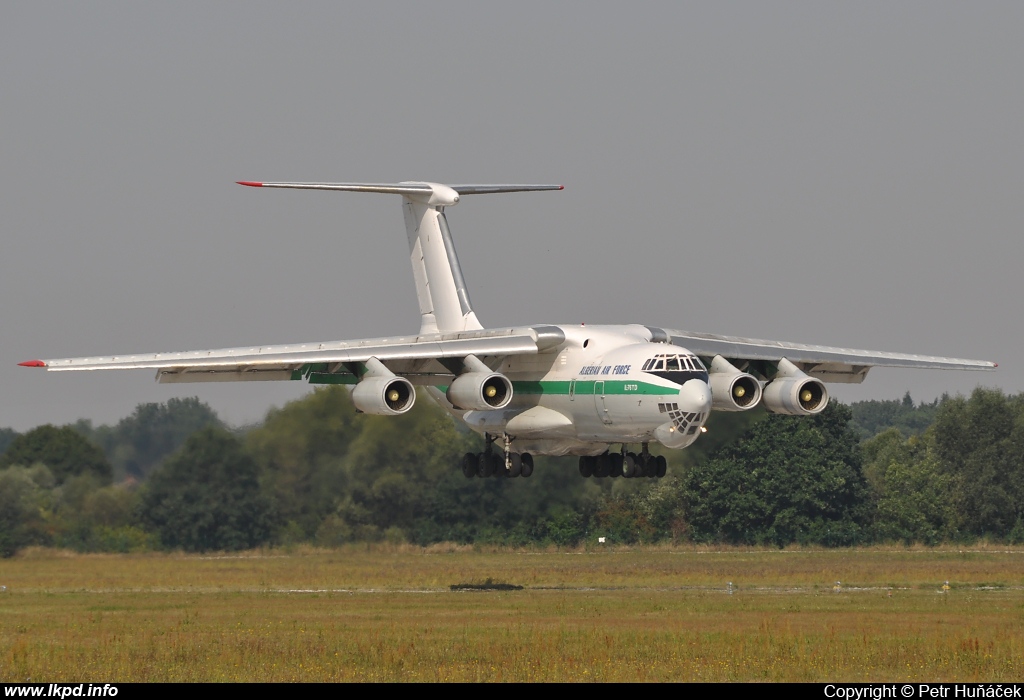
(477, 388)
(794, 393)
(480, 391)
(382, 393)
(731, 389)
(382, 396)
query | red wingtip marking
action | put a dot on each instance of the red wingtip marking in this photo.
(248, 183)
(32, 363)
(561, 187)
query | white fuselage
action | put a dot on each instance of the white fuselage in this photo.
(594, 391)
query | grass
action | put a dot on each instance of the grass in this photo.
(387, 613)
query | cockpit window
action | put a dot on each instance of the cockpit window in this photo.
(674, 363)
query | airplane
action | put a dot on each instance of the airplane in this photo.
(542, 389)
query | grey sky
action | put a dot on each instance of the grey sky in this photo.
(845, 174)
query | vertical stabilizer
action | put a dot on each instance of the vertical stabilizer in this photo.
(440, 286)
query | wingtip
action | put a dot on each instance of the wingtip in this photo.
(249, 183)
(561, 187)
(32, 363)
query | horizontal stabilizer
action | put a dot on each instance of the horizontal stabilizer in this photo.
(498, 189)
(403, 188)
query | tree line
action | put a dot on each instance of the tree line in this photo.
(173, 476)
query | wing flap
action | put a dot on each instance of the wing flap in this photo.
(175, 376)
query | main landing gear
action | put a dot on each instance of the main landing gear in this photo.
(493, 464)
(628, 465)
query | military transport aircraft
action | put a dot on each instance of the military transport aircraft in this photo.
(542, 389)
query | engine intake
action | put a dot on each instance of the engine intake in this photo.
(480, 391)
(731, 389)
(384, 396)
(794, 393)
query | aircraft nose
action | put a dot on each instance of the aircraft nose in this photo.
(695, 397)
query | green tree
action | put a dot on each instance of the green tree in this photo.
(341, 476)
(140, 442)
(789, 479)
(24, 502)
(913, 496)
(90, 517)
(63, 450)
(554, 505)
(208, 497)
(301, 448)
(873, 417)
(980, 444)
(7, 436)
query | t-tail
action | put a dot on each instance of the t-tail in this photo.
(440, 286)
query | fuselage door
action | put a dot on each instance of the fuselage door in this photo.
(572, 389)
(599, 403)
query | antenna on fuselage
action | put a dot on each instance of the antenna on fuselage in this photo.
(440, 286)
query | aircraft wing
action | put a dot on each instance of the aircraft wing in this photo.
(325, 362)
(829, 364)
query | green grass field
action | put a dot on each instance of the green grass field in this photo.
(387, 613)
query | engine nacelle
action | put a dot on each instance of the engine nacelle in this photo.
(480, 391)
(732, 390)
(384, 396)
(795, 396)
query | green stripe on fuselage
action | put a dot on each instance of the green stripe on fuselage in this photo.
(618, 388)
(611, 387)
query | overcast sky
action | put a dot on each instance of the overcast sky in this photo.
(839, 173)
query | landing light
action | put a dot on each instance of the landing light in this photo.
(703, 429)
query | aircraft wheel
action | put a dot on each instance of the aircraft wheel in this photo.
(602, 466)
(515, 465)
(527, 468)
(651, 467)
(616, 465)
(497, 465)
(662, 466)
(630, 465)
(586, 467)
(483, 465)
(469, 462)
